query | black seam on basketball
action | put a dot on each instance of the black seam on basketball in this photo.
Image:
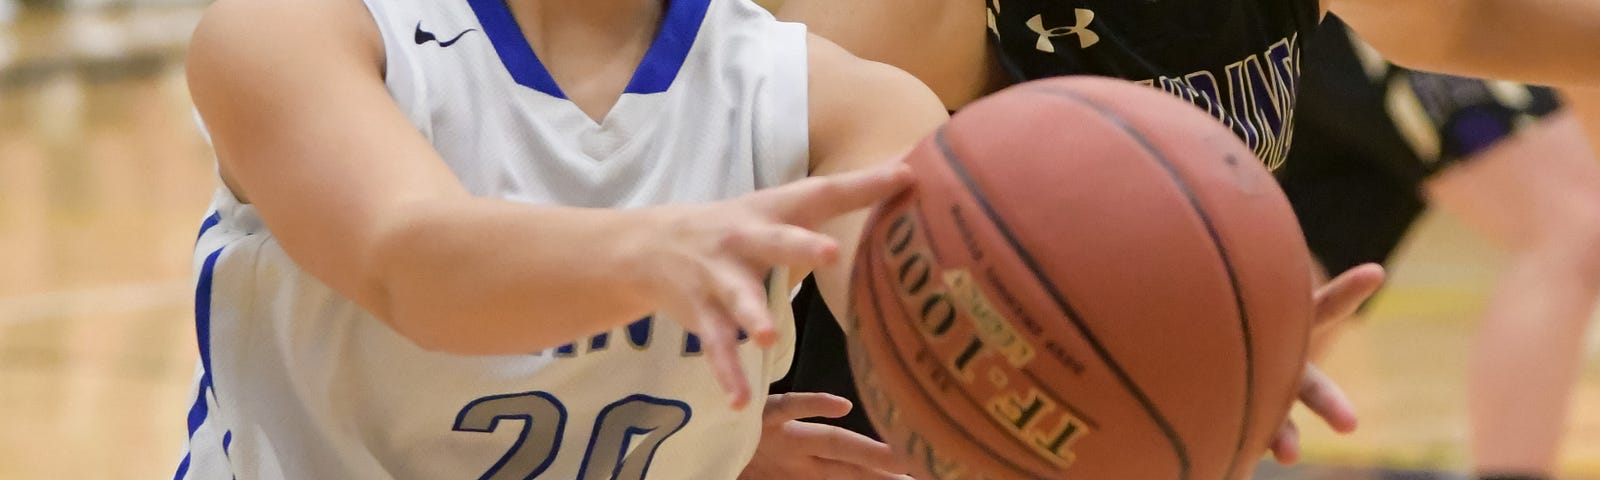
(1066, 307)
(1216, 240)
(933, 249)
(877, 310)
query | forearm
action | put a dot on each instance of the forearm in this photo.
(482, 276)
(1549, 42)
(1546, 42)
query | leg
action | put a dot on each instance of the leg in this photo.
(1538, 193)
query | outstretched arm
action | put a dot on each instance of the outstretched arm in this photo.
(305, 130)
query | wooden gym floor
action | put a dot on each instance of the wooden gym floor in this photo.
(103, 180)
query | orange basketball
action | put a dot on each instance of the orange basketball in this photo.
(1090, 280)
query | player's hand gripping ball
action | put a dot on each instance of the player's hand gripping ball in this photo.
(1092, 280)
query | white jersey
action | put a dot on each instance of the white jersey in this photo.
(297, 382)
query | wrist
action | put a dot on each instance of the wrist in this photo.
(627, 253)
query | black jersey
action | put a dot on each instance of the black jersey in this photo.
(1237, 59)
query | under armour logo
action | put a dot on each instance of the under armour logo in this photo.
(1086, 37)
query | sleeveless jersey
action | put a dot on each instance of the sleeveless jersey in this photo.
(297, 382)
(1237, 59)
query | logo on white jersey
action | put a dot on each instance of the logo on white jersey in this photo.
(424, 36)
(1086, 37)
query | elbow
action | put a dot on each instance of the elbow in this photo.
(439, 331)
(429, 332)
(432, 315)
(395, 290)
(461, 334)
(408, 316)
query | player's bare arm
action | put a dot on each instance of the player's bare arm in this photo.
(294, 96)
(1547, 42)
(943, 43)
(1544, 42)
(863, 113)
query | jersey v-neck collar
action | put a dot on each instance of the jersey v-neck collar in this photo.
(655, 73)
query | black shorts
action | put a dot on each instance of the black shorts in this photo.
(1368, 135)
(821, 362)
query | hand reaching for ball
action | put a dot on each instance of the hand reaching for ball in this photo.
(792, 449)
(1335, 301)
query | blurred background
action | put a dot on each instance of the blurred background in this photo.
(104, 179)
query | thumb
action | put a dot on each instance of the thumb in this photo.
(798, 405)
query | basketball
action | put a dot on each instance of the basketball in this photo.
(1091, 279)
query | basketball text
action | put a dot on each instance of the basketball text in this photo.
(972, 350)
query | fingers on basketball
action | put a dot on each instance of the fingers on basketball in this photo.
(814, 200)
(837, 444)
(781, 244)
(1344, 294)
(797, 405)
(1286, 444)
(1324, 398)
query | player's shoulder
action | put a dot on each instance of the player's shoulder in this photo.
(241, 31)
(831, 65)
(861, 107)
(845, 86)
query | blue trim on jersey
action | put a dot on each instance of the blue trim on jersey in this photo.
(655, 73)
(205, 226)
(199, 411)
(202, 327)
(202, 315)
(671, 47)
(513, 49)
(183, 468)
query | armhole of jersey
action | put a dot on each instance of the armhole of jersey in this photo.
(786, 117)
(785, 131)
(375, 13)
(400, 75)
